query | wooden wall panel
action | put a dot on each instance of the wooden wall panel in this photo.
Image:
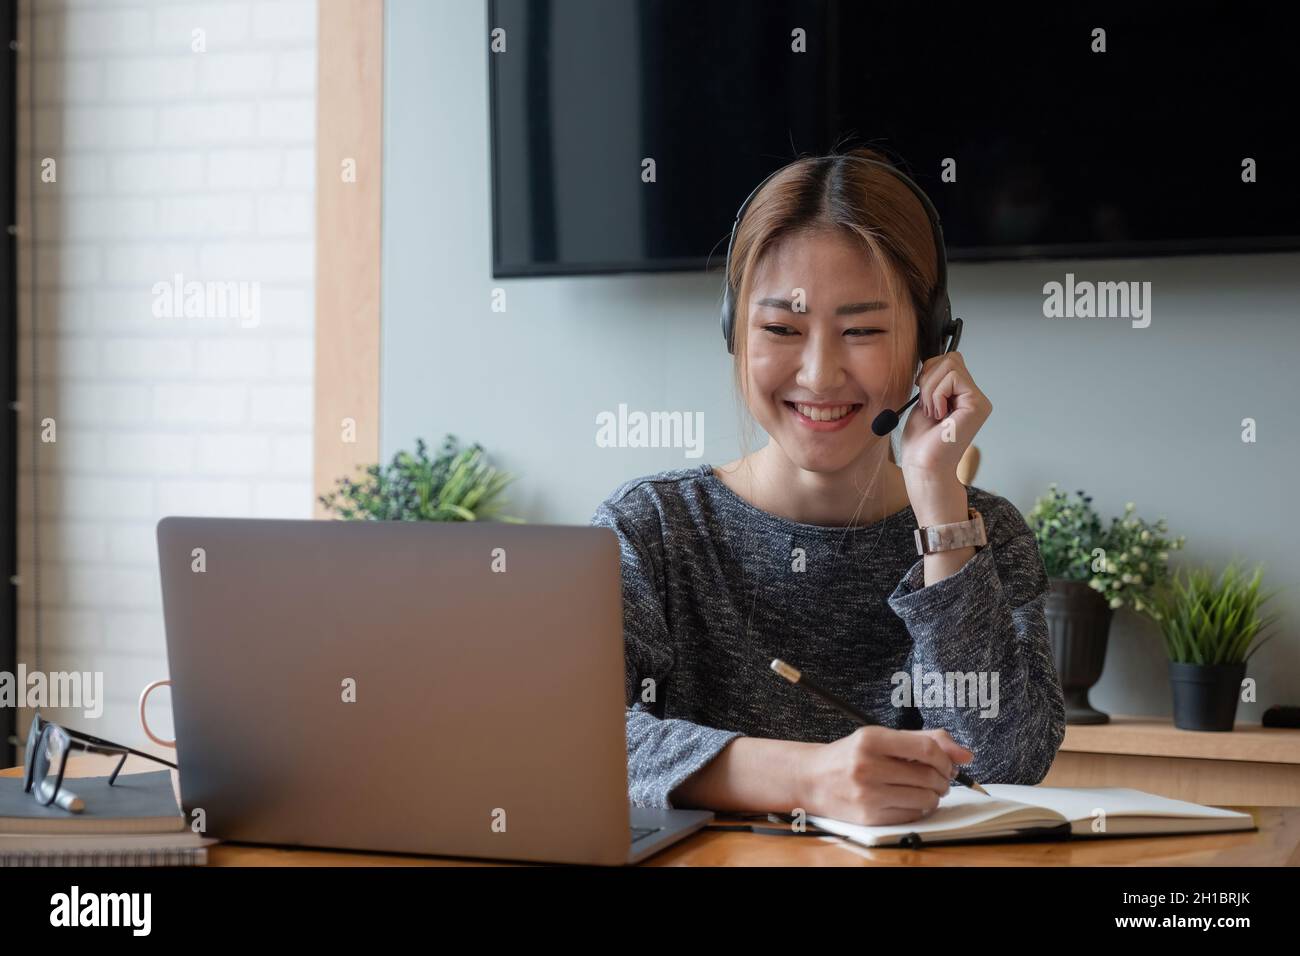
(349, 130)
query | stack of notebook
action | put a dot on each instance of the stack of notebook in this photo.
(135, 822)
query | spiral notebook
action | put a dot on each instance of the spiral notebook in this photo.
(130, 849)
(1011, 811)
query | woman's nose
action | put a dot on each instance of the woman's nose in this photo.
(821, 364)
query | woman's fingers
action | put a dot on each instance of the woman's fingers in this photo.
(891, 817)
(933, 371)
(955, 751)
(920, 747)
(940, 384)
(910, 773)
(943, 393)
(894, 797)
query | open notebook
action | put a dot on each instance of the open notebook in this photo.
(1012, 811)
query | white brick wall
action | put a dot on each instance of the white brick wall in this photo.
(169, 161)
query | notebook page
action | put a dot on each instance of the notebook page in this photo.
(961, 809)
(1080, 803)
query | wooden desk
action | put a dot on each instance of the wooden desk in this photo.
(1251, 765)
(1275, 843)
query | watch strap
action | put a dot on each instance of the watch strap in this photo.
(950, 537)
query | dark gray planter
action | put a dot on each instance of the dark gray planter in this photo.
(1206, 695)
(1078, 620)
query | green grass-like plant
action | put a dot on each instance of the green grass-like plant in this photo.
(1205, 621)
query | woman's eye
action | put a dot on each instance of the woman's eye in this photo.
(784, 331)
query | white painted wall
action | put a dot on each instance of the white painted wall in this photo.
(168, 161)
(1146, 415)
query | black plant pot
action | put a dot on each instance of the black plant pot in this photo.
(1078, 619)
(1206, 695)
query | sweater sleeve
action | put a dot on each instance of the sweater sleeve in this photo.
(661, 753)
(986, 622)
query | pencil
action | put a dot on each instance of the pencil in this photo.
(793, 675)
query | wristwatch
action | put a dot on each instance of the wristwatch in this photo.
(949, 537)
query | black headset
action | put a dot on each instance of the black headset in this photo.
(937, 322)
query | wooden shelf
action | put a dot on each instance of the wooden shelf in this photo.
(1158, 737)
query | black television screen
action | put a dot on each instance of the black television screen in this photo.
(1065, 142)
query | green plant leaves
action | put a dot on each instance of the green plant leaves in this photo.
(1070, 533)
(1066, 529)
(455, 485)
(1205, 621)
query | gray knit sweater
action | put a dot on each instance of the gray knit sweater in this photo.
(714, 588)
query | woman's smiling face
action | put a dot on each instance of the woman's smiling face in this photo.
(817, 378)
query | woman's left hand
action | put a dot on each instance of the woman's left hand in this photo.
(944, 420)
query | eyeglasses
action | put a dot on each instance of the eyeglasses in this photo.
(46, 758)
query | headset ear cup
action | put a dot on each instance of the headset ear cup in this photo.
(943, 317)
(942, 324)
(728, 320)
(930, 334)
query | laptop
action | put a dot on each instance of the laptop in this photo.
(454, 689)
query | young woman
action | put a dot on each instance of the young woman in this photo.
(804, 550)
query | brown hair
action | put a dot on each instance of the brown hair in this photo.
(839, 194)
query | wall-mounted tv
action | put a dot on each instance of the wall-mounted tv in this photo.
(1066, 142)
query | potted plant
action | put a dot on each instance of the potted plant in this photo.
(1093, 571)
(456, 485)
(1209, 627)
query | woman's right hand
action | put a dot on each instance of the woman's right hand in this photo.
(877, 776)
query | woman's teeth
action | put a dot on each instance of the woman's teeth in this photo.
(824, 414)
